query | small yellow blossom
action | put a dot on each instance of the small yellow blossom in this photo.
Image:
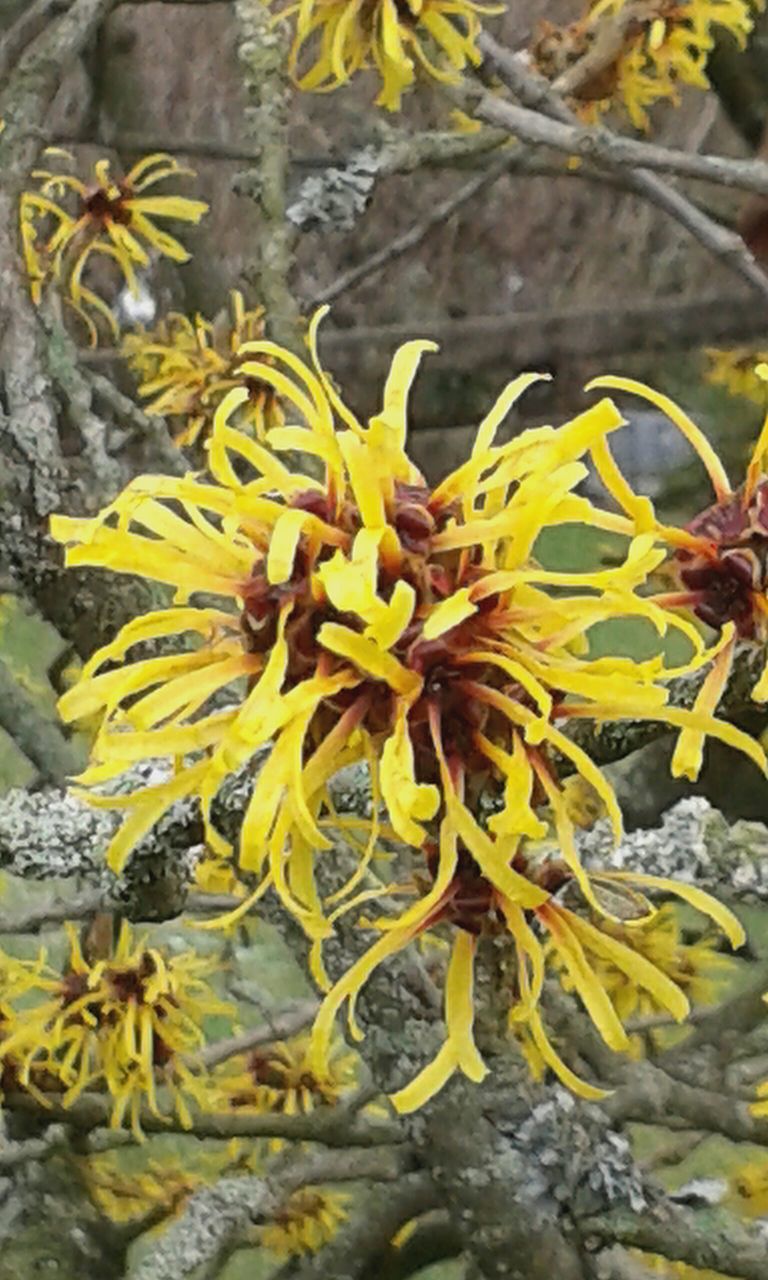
(305, 1222)
(281, 1079)
(693, 967)
(736, 370)
(718, 559)
(109, 216)
(124, 1023)
(748, 1189)
(666, 44)
(368, 617)
(338, 38)
(185, 368)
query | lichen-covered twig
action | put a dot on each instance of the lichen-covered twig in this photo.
(281, 1026)
(263, 53)
(356, 1252)
(39, 737)
(217, 1216)
(681, 1235)
(53, 911)
(329, 1126)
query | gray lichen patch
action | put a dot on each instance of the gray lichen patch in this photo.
(694, 844)
(334, 199)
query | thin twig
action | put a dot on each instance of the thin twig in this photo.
(609, 41)
(216, 1219)
(551, 336)
(262, 52)
(595, 142)
(281, 1026)
(152, 429)
(681, 1236)
(330, 1126)
(543, 102)
(415, 235)
(26, 28)
(37, 735)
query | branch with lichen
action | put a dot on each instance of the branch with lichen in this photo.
(229, 1211)
(677, 1234)
(262, 51)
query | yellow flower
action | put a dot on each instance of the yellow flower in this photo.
(748, 1189)
(398, 37)
(186, 368)
(111, 217)
(280, 1078)
(666, 43)
(123, 1023)
(691, 966)
(719, 558)
(736, 370)
(367, 617)
(307, 1221)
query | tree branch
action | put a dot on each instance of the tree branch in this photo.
(416, 234)
(329, 1126)
(262, 52)
(648, 1095)
(281, 1026)
(361, 1246)
(37, 735)
(535, 93)
(682, 1236)
(217, 1217)
(546, 337)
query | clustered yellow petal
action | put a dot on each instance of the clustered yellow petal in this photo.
(64, 221)
(697, 968)
(335, 39)
(748, 1189)
(123, 1023)
(367, 617)
(664, 44)
(736, 370)
(308, 1219)
(186, 367)
(280, 1078)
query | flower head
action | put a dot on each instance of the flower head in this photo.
(279, 1078)
(398, 37)
(308, 1219)
(748, 1189)
(110, 216)
(719, 559)
(186, 368)
(736, 371)
(654, 47)
(368, 617)
(124, 1023)
(692, 967)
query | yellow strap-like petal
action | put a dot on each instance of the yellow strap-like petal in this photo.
(448, 614)
(695, 897)
(595, 998)
(637, 968)
(692, 433)
(368, 657)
